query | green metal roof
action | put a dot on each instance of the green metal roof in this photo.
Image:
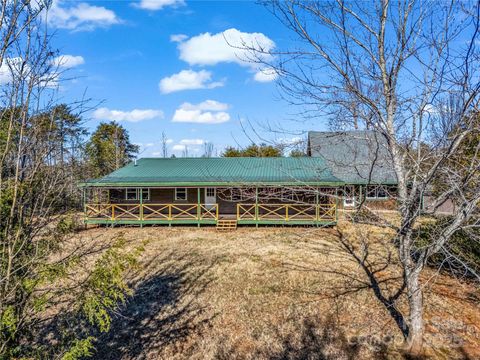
(218, 171)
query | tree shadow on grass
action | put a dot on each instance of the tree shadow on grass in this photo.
(162, 311)
(362, 264)
(316, 340)
(311, 339)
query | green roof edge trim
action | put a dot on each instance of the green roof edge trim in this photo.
(201, 184)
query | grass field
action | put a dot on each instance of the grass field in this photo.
(273, 293)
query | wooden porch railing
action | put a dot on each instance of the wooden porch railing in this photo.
(151, 211)
(196, 212)
(286, 212)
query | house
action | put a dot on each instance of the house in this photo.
(287, 191)
(205, 190)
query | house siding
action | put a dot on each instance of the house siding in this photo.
(158, 196)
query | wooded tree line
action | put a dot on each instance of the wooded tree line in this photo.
(71, 149)
(47, 309)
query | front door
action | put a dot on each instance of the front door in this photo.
(210, 196)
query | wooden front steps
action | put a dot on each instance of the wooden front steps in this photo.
(226, 225)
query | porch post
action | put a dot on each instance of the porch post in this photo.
(256, 206)
(141, 207)
(316, 206)
(336, 204)
(84, 199)
(198, 207)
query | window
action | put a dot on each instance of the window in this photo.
(180, 193)
(134, 194)
(371, 192)
(376, 192)
(131, 194)
(382, 193)
(145, 194)
(210, 192)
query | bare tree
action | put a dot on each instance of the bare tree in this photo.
(207, 149)
(164, 145)
(392, 67)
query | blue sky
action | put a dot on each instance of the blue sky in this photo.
(164, 65)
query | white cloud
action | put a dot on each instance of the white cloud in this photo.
(290, 141)
(188, 80)
(149, 144)
(158, 4)
(178, 147)
(178, 37)
(207, 112)
(211, 49)
(5, 75)
(156, 153)
(80, 17)
(190, 142)
(265, 75)
(432, 110)
(207, 105)
(10, 68)
(15, 69)
(68, 61)
(228, 46)
(135, 115)
(196, 116)
(169, 141)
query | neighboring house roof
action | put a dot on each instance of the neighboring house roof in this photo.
(355, 157)
(220, 171)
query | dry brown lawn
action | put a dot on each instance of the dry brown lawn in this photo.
(274, 293)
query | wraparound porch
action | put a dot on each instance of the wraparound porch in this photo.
(201, 213)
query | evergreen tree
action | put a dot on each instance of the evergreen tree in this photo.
(297, 153)
(253, 150)
(232, 152)
(109, 148)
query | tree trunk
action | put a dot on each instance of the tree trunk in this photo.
(415, 301)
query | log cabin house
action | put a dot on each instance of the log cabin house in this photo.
(257, 191)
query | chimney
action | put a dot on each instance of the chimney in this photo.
(135, 162)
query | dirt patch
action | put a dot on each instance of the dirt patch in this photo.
(274, 293)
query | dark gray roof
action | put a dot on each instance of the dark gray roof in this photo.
(354, 156)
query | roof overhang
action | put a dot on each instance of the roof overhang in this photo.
(203, 184)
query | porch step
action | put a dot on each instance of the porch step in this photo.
(226, 225)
